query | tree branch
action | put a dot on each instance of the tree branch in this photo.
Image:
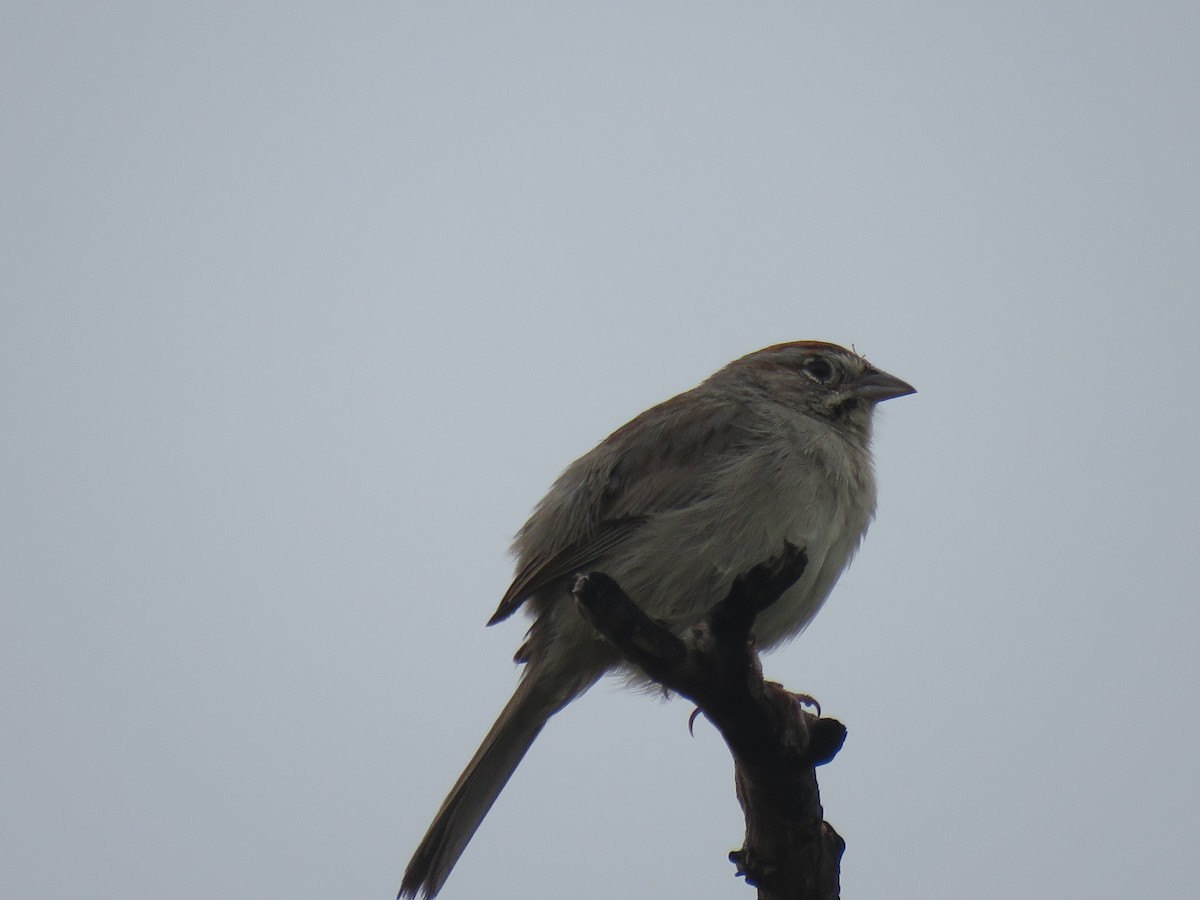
(790, 852)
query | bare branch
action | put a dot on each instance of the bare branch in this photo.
(790, 852)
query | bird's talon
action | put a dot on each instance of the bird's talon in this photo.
(808, 700)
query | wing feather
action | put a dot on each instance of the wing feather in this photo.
(661, 460)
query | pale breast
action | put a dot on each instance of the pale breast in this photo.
(683, 560)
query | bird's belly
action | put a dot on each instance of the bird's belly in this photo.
(683, 561)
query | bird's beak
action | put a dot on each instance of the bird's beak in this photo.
(878, 386)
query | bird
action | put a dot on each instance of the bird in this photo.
(774, 447)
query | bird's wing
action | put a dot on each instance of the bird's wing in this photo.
(648, 466)
(543, 570)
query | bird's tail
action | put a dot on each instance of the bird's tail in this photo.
(478, 787)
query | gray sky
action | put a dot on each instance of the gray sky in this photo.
(305, 305)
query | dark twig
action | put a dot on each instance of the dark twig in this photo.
(790, 851)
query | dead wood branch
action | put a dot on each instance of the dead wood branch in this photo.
(790, 852)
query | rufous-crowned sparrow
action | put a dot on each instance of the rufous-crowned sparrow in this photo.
(774, 447)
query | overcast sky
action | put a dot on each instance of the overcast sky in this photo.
(305, 305)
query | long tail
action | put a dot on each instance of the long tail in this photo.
(477, 789)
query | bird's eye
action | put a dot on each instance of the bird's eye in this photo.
(818, 369)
